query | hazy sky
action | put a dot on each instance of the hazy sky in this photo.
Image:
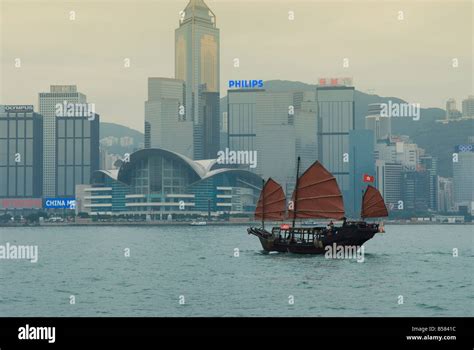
(410, 58)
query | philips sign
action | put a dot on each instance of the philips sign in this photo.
(245, 84)
(60, 203)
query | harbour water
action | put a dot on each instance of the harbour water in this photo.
(222, 271)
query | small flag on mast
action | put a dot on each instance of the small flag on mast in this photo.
(368, 178)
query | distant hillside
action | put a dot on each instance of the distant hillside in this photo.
(119, 131)
(286, 85)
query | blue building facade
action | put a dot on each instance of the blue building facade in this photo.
(361, 162)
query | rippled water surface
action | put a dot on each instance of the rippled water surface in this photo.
(198, 263)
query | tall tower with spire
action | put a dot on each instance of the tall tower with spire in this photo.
(197, 64)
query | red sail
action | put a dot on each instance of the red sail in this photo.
(317, 195)
(271, 204)
(373, 205)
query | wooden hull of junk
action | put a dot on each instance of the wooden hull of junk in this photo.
(314, 240)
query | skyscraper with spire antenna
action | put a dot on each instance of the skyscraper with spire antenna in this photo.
(197, 64)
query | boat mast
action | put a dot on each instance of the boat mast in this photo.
(263, 203)
(296, 191)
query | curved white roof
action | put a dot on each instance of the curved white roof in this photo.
(202, 168)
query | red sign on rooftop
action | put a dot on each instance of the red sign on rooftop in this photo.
(335, 81)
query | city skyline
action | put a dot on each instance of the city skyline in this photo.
(118, 92)
(182, 115)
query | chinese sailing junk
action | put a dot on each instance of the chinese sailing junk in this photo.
(316, 196)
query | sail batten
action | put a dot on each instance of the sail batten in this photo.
(322, 211)
(317, 195)
(314, 183)
(269, 194)
(373, 205)
(271, 204)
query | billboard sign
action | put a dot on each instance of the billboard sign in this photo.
(245, 84)
(60, 203)
(18, 108)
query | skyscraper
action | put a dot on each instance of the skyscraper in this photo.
(241, 119)
(468, 107)
(335, 120)
(197, 64)
(445, 193)
(21, 162)
(210, 125)
(166, 123)
(388, 181)
(416, 191)
(361, 163)
(259, 121)
(451, 110)
(77, 152)
(306, 127)
(463, 168)
(430, 164)
(275, 141)
(59, 94)
(380, 125)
